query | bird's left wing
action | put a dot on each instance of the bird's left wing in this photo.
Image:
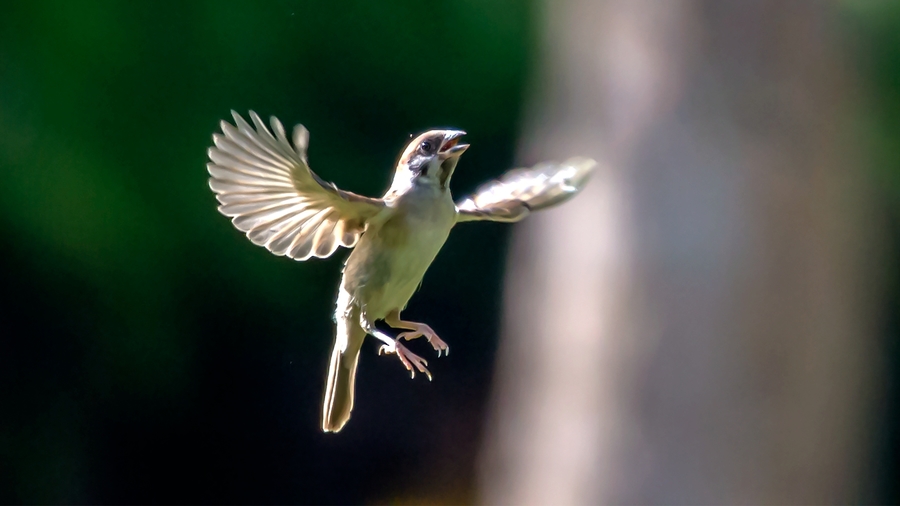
(266, 187)
(518, 192)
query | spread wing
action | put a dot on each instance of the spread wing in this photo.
(266, 187)
(518, 192)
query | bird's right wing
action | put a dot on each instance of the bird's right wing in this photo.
(520, 191)
(266, 187)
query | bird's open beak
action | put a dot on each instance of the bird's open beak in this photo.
(450, 147)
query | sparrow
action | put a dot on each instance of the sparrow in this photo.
(263, 182)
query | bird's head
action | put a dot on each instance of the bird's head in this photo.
(430, 158)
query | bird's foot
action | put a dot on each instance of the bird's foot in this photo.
(410, 360)
(424, 330)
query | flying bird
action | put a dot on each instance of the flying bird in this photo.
(264, 184)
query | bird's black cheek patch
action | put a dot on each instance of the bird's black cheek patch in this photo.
(418, 166)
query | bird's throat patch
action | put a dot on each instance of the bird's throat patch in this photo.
(446, 170)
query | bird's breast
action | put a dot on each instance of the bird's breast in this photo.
(390, 260)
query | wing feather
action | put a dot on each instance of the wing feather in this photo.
(517, 193)
(257, 197)
(256, 205)
(264, 184)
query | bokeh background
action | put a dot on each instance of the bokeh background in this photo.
(151, 354)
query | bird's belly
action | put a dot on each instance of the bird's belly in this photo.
(388, 265)
(408, 267)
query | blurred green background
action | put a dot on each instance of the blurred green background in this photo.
(150, 353)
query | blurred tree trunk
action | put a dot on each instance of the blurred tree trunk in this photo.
(697, 327)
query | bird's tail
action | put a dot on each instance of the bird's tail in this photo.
(339, 386)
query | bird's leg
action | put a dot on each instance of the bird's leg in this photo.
(408, 358)
(416, 330)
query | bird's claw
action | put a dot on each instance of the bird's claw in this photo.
(424, 330)
(410, 360)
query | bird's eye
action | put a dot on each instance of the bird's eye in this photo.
(426, 146)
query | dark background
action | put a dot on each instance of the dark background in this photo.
(150, 353)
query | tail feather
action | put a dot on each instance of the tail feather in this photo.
(339, 386)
